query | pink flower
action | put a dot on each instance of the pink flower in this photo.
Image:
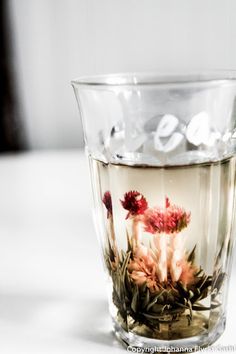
(154, 220)
(147, 267)
(135, 203)
(108, 203)
(164, 262)
(142, 268)
(187, 274)
(176, 219)
(170, 220)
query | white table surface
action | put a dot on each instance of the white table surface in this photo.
(52, 289)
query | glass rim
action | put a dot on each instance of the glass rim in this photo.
(167, 77)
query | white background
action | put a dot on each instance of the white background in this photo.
(57, 40)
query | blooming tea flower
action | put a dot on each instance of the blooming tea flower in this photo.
(108, 203)
(135, 203)
(142, 268)
(171, 219)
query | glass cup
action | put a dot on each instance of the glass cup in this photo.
(161, 151)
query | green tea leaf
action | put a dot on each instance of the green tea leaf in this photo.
(191, 256)
(134, 303)
(154, 300)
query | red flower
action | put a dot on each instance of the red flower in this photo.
(134, 202)
(107, 202)
(170, 220)
(154, 221)
(176, 219)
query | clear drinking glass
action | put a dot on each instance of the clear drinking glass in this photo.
(161, 151)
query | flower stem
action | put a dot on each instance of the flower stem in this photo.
(161, 242)
(136, 231)
(176, 256)
(113, 238)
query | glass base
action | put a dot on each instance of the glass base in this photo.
(190, 344)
